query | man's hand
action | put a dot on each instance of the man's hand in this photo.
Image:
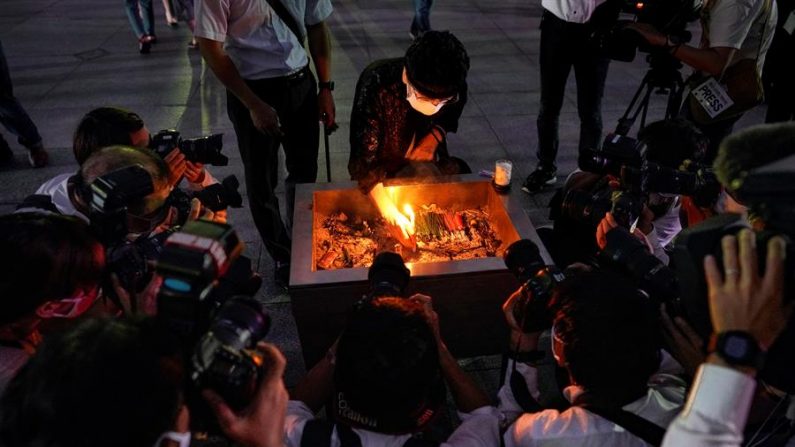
(261, 424)
(327, 112)
(265, 119)
(194, 172)
(739, 299)
(145, 301)
(430, 316)
(176, 166)
(649, 33)
(425, 150)
(608, 223)
(684, 344)
(198, 211)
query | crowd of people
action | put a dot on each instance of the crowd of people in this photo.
(668, 320)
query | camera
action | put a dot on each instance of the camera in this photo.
(626, 254)
(225, 359)
(205, 150)
(388, 276)
(583, 206)
(130, 261)
(670, 17)
(109, 196)
(215, 197)
(616, 152)
(538, 281)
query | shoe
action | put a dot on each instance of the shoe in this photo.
(539, 179)
(281, 274)
(38, 157)
(173, 24)
(151, 38)
(193, 44)
(144, 46)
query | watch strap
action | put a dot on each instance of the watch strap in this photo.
(327, 85)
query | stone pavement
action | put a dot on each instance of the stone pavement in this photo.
(69, 56)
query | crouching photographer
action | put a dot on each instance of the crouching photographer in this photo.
(120, 383)
(636, 184)
(386, 376)
(604, 335)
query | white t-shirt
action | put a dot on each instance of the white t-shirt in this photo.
(58, 190)
(740, 24)
(255, 38)
(479, 428)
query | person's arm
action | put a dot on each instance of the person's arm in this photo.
(739, 300)
(316, 387)
(320, 48)
(468, 396)
(263, 115)
(709, 60)
(366, 133)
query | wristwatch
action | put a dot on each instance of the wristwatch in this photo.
(328, 85)
(737, 348)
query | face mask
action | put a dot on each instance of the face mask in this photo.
(69, 307)
(183, 439)
(424, 107)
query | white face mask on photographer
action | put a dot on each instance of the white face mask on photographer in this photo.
(182, 439)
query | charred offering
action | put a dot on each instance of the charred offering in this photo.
(344, 241)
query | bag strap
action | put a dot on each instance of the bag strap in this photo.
(646, 430)
(288, 19)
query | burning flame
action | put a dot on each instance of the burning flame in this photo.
(385, 199)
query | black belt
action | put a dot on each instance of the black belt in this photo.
(298, 76)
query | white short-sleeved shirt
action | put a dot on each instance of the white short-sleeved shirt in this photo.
(742, 24)
(259, 43)
(574, 11)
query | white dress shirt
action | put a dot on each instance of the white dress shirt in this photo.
(58, 190)
(479, 428)
(255, 38)
(579, 427)
(575, 11)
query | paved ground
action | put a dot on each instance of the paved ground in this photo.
(69, 56)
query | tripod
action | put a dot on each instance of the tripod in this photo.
(664, 76)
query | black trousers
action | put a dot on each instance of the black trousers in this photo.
(295, 100)
(565, 45)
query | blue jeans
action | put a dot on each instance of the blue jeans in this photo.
(12, 115)
(422, 20)
(565, 45)
(142, 23)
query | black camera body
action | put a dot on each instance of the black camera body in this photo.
(108, 197)
(584, 206)
(219, 196)
(225, 359)
(205, 149)
(388, 276)
(538, 281)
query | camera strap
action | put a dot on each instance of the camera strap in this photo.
(288, 19)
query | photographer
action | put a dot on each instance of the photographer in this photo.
(120, 383)
(604, 334)
(732, 31)
(387, 374)
(110, 126)
(742, 304)
(50, 268)
(668, 144)
(403, 110)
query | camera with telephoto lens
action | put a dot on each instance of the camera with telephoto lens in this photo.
(388, 276)
(226, 359)
(584, 206)
(205, 150)
(670, 17)
(695, 181)
(538, 281)
(215, 197)
(616, 152)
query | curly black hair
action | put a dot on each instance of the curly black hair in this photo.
(437, 64)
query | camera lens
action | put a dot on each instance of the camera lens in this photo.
(388, 275)
(523, 260)
(240, 323)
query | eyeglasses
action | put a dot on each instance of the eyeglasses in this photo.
(435, 101)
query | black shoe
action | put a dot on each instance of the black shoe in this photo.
(144, 46)
(281, 274)
(539, 179)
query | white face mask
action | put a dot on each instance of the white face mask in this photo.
(424, 107)
(183, 439)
